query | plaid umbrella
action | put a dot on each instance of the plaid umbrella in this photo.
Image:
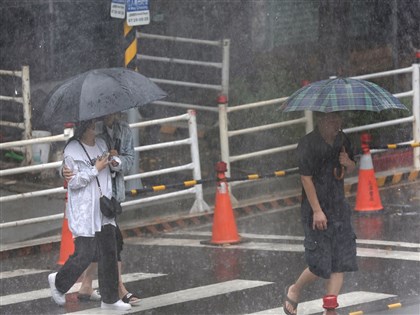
(341, 94)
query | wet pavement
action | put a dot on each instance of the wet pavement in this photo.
(177, 273)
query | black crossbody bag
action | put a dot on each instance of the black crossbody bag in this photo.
(109, 207)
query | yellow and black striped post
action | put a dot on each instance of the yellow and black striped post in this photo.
(130, 62)
(130, 53)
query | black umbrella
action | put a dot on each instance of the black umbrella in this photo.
(98, 93)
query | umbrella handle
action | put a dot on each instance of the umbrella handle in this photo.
(341, 175)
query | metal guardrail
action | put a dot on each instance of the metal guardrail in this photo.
(226, 134)
(192, 141)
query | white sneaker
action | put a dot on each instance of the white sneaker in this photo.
(118, 306)
(57, 296)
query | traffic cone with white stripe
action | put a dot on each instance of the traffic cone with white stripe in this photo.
(367, 198)
(67, 244)
(224, 231)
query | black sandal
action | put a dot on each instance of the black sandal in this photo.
(128, 299)
(286, 299)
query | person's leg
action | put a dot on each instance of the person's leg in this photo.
(334, 283)
(107, 265)
(85, 248)
(293, 292)
(86, 287)
(123, 293)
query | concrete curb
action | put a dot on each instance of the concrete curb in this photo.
(170, 223)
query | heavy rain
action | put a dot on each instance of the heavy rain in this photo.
(265, 155)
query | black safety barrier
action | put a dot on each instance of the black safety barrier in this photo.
(190, 183)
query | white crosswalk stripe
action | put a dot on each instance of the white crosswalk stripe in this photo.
(282, 247)
(345, 300)
(183, 296)
(20, 272)
(45, 293)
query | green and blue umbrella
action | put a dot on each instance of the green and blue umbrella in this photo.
(341, 94)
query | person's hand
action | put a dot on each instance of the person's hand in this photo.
(344, 158)
(113, 152)
(319, 220)
(67, 173)
(101, 163)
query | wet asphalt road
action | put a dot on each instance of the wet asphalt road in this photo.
(175, 273)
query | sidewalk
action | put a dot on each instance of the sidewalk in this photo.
(247, 198)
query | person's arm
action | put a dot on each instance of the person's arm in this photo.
(126, 154)
(319, 218)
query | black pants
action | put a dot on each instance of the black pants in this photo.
(104, 243)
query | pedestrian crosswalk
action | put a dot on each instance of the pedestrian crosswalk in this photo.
(179, 296)
(45, 293)
(269, 245)
(345, 300)
(187, 295)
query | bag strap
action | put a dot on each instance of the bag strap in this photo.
(97, 180)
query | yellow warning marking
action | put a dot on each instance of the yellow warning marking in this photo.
(413, 175)
(380, 181)
(130, 52)
(253, 176)
(159, 188)
(392, 146)
(414, 145)
(356, 313)
(127, 28)
(394, 306)
(190, 183)
(397, 178)
(280, 173)
(133, 192)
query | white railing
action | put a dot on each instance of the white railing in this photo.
(223, 87)
(192, 141)
(25, 101)
(226, 134)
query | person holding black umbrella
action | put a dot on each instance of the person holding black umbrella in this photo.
(119, 139)
(87, 157)
(330, 242)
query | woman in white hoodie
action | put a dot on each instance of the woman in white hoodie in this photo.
(94, 234)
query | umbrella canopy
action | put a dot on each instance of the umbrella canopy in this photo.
(341, 94)
(97, 93)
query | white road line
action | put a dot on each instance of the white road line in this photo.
(300, 238)
(44, 293)
(183, 296)
(362, 252)
(20, 272)
(345, 300)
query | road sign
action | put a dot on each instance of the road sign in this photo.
(118, 9)
(138, 12)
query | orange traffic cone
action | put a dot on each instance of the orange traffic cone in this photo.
(67, 244)
(224, 226)
(367, 198)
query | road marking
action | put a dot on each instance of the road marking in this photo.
(345, 300)
(45, 293)
(300, 238)
(362, 252)
(187, 295)
(20, 272)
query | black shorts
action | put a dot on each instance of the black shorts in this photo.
(332, 250)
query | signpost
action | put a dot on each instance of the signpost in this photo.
(137, 11)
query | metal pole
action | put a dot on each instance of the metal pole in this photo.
(225, 68)
(416, 110)
(223, 132)
(199, 204)
(133, 114)
(26, 97)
